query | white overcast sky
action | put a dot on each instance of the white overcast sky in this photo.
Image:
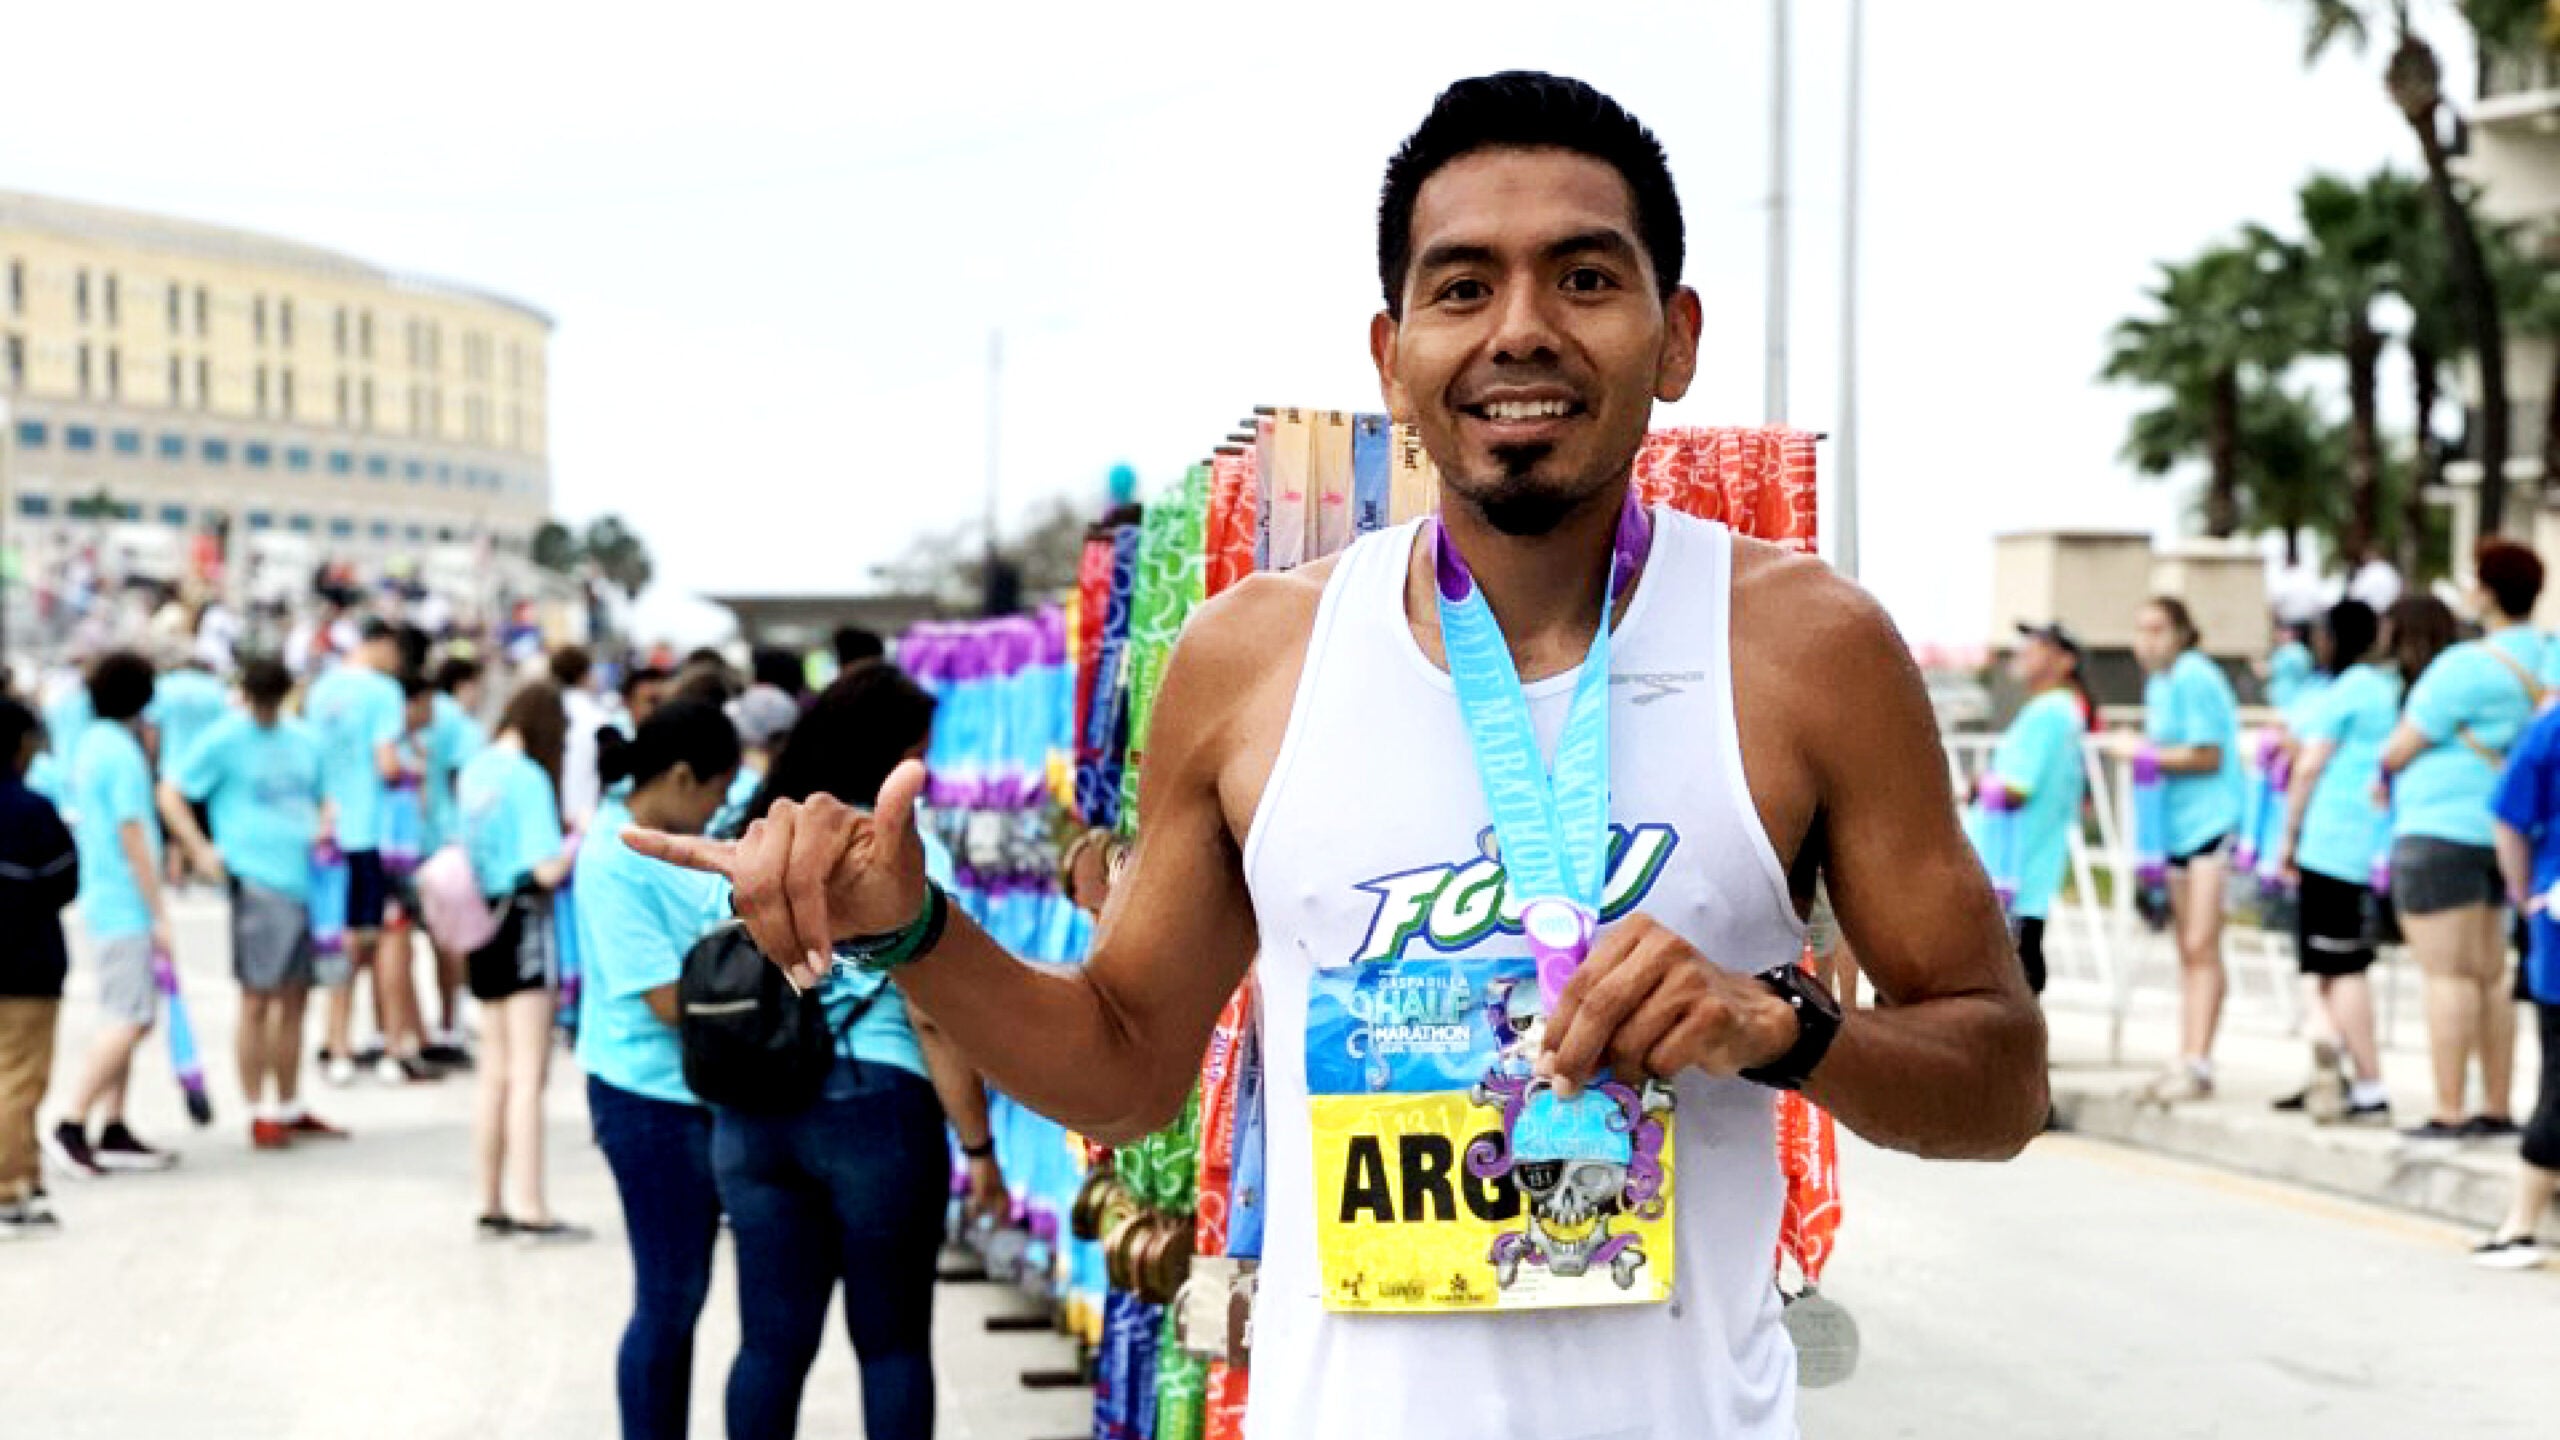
(776, 236)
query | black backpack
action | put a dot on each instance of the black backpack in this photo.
(750, 1041)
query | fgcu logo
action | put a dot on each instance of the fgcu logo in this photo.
(1451, 907)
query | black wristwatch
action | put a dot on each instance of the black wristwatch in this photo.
(1817, 1021)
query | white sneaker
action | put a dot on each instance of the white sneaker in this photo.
(2177, 1085)
(339, 1071)
(388, 1071)
(2515, 1252)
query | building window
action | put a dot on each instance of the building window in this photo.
(17, 287)
(80, 295)
(204, 383)
(409, 333)
(17, 359)
(378, 466)
(444, 474)
(204, 314)
(177, 307)
(444, 533)
(435, 412)
(284, 391)
(262, 391)
(79, 437)
(111, 299)
(284, 321)
(299, 524)
(515, 426)
(177, 382)
(258, 317)
(126, 442)
(258, 454)
(174, 516)
(364, 335)
(380, 529)
(84, 369)
(414, 533)
(435, 346)
(367, 408)
(31, 434)
(115, 373)
(173, 446)
(416, 412)
(342, 529)
(342, 399)
(216, 452)
(297, 457)
(35, 507)
(342, 462)
(261, 520)
(415, 470)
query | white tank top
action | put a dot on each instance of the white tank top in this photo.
(1375, 780)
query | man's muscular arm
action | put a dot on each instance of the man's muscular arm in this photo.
(1109, 1047)
(1952, 1064)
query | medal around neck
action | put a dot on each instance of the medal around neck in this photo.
(1449, 1175)
(1826, 1340)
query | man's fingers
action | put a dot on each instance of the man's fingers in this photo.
(693, 852)
(1607, 950)
(758, 896)
(895, 811)
(1611, 991)
(1631, 1049)
(827, 833)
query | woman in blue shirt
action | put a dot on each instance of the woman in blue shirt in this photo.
(507, 819)
(2334, 832)
(2192, 720)
(2039, 776)
(636, 919)
(2465, 712)
(851, 1189)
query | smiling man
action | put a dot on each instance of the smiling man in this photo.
(1527, 927)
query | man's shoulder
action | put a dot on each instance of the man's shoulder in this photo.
(1263, 609)
(1781, 595)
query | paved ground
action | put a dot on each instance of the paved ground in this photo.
(2086, 1291)
(338, 1290)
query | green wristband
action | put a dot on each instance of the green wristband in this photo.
(900, 947)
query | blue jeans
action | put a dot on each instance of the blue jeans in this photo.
(660, 1155)
(851, 1189)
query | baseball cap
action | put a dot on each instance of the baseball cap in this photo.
(2054, 634)
(763, 715)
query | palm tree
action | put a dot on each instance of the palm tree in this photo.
(2217, 322)
(2292, 455)
(2414, 79)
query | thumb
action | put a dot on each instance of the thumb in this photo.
(895, 814)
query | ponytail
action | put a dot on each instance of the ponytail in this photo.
(681, 732)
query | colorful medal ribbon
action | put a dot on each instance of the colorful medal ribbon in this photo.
(1552, 826)
(1809, 1158)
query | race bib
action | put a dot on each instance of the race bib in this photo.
(1448, 1177)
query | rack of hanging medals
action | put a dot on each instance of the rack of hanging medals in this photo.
(1178, 1216)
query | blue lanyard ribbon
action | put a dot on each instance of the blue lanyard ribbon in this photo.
(1552, 825)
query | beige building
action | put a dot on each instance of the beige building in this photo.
(167, 381)
(2513, 155)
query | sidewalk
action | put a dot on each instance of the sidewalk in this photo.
(2258, 1060)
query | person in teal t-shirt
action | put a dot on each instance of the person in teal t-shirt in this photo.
(849, 1192)
(636, 919)
(2335, 829)
(2042, 776)
(2291, 667)
(122, 909)
(185, 703)
(2192, 721)
(257, 774)
(2464, 713)
(508, 818)
(359, 713)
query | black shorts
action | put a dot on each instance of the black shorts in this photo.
(2333, 931)
(2213, 849)
(2431, 876)
(2031, 952)
(519, 957)
(368, 890)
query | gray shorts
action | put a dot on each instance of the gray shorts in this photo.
(2430, 876)
(126, 992)
(270, 938)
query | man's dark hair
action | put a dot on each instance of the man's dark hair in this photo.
(2513, 575)
(853, 645)
(414, 685)
(782, 670)
(2353, 628)
(455, 672)
(17, 722)
(120, 685)
(377, 628)
(639, 676)
(570, 664)
(265, 681)
(414, 648)
(1526, 110)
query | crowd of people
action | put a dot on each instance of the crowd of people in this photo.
(393, 816)
(2411, 778)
